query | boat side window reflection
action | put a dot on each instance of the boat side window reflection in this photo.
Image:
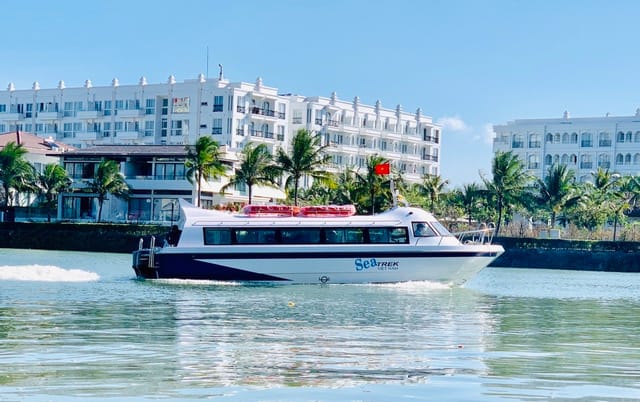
(344, 235)
(217, 236)
(399, 235)
(255, 236)
(421, 229)
(300, 236)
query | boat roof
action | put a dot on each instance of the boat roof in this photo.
(194, 216)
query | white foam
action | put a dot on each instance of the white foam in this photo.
(415, 285)
(45, 273)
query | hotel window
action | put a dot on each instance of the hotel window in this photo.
(107, 108)
(117, 126)
(280, 133)
(29, 112)
(150, 106)
(297, 117)
(218, 103)
(163, 127)
(179, 127)
(67, 130)
(119, 105)
(282, 111)
(216, 127)
(68, 109)
(3, 108)
(165, 106)
(106, 132)
(149, 127)
(78, 106)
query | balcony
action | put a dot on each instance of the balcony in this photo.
(534, 144)
(240, 132)
(261, 134)
(241, 109)
(49, 115)
(586, 165)
(435, 140)
(586, 144)
(517, 144)
(129, 113)
(433, 158)
(127, 135)
(6, 116)
(605, 143)
(604, 165)
(534, 165)
(263, 112)
(86, 135)
(88, 114)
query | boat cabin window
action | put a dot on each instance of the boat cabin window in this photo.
(344, 235)
(388, 235)
(326, 235)
(422, 229)
(300, 236)
(217, 236)
(255, 236)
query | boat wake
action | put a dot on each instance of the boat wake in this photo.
(414, 285)
(45, 273)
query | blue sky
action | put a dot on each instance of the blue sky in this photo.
(468, 64)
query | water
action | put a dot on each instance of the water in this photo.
(77, 326)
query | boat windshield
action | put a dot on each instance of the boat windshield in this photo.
(441, 229)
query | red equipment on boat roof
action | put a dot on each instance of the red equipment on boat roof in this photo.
(308, 211)
(328, 210)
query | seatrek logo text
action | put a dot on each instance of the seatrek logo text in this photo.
(372, 263)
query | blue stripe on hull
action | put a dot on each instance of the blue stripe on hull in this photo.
(186, 266)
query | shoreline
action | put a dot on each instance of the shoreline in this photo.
(581, 255)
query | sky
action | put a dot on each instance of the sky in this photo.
(467, 64)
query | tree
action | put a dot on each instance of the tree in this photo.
(16, 173)
(256, 168)
(432, 187)
(557, 191)
(470, 197)
(108, 180)
(373, 189)
(507, 184)
(52, 181)
(203, 163)
(307, 158)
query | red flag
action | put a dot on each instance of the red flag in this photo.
(383, 168)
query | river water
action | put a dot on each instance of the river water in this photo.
(78, 326)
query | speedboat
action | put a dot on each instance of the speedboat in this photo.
(319, 244)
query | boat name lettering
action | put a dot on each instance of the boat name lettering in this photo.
(368, 263)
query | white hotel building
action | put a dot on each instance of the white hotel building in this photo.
(232, 113)
(584, 144)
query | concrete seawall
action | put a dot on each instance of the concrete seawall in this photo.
(569, 254)
(519, 253)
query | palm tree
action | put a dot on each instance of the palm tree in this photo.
(256, 168)
(203, 163)
(52, 181)
(307, 158)
(108, 180)
(431, 187)
(374, 189)
(16, 173)
(556, 191)
(470, 198)
(507, 184)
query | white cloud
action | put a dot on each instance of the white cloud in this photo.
(453, 123)
(487, 134)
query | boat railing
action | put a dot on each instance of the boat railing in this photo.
(478, 236)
